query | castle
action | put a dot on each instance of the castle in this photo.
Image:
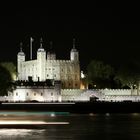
(66, 71)
(47, 79)
(44, 79)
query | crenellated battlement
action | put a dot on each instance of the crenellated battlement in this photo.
(58, 61)
(30, 62)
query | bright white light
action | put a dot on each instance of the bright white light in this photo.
(37, 103)
(9, 134)
(107, 114)
(21, 122)
(7, 122)
(135, 114)
(91, 114)
(82, 74)
(52, 115)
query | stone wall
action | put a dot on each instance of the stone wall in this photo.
(102, 94)
(36, 93)
(20, 94)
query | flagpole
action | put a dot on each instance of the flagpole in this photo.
(31, 40)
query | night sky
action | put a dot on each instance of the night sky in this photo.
(106, 32)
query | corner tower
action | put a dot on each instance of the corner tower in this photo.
(75, 66)
(51, 54)
(20, 59)
(41, 61)
(74, 54)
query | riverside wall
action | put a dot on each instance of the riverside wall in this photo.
(76, 95)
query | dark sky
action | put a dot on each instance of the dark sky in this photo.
(106, 32)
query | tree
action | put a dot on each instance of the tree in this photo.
(99, 74)
(9, 66)
(129, 75)
(5, 81)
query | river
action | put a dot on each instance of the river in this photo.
(66, 126)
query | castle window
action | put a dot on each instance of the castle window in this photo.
(27, 94)
(34, 94)
(16, 94)
(47, 75)
(41, 94)
(51, 94)
(54, 75)
(76, 85)
(62, 69)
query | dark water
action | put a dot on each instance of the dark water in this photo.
(80, 127)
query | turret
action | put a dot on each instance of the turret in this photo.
(51, 54)
(41, 62)
(20, 59)
(74, 54)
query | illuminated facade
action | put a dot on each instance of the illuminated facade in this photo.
(48, 67)
(66, 82)
(47, 91)
(33, 75)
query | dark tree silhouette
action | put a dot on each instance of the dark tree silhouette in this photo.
(5, 81)
(129, 75)
(99, 74)
(9, 66)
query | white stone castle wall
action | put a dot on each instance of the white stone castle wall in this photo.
(20, 94)
(112, 92)
(29, 68)
(65, 70)
(52, 69)
(102, 94)
(80, 94)
(36, 93)
(120, 94)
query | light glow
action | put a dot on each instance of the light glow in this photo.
(7, 122)
(38, 103)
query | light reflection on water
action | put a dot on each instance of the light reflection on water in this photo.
(82, 126)
(21, 113)
(9, 134)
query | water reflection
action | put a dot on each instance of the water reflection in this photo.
(21, 113)
(10, 134)
(81, 126)
(29, 118)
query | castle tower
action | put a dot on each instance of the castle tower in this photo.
(74, 57)
(74, 54)
(41, 61)
(20, 59)
(51, 54)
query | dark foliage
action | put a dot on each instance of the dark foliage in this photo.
(5, 81)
